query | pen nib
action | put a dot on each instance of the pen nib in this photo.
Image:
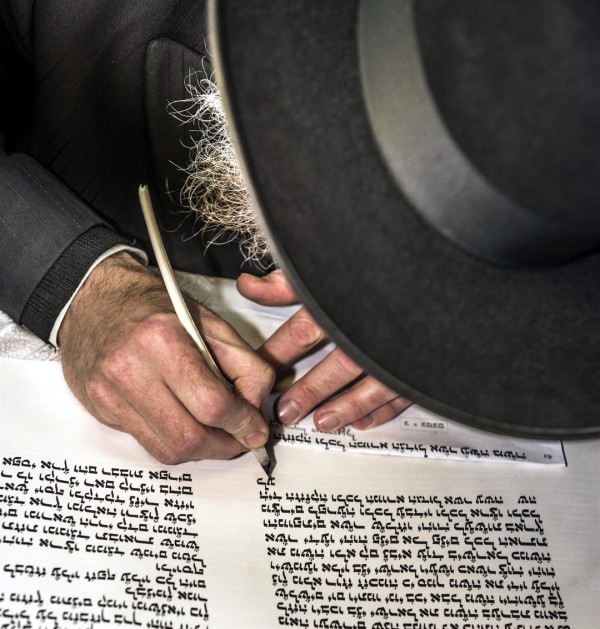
(264, 460)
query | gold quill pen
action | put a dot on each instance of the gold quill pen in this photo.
(181, 309)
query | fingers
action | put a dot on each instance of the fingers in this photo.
(363, 399)
(158, 388)
(237, 412)
(160, 424)
(271, 290)
(383, 414)
(364, 402)
(292, 340)
(333, 373)
(251, 375)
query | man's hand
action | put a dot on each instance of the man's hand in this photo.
(131, 363)
(361, 400)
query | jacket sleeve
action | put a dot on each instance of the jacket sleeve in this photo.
(50, 238)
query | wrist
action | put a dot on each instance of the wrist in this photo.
(108, 285)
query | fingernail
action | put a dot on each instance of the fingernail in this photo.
(328, 422)
(288, 412)
(256, 439)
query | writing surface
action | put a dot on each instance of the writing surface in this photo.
(204, 543)
(462, 541)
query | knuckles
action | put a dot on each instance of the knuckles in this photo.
(158, 331)
(263, 375)
(100, 392)
(186, 446)
(172, 453)
(304, 332)
(217, 408)
(117, 366)
(309, 394)
(345, 365)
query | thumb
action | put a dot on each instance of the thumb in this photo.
(271, 290)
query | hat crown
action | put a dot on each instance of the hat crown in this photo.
(472, 111)
(517, 85)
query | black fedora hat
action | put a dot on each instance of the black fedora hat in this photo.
(428, 174)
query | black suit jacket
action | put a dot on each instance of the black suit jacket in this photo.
(90, 125)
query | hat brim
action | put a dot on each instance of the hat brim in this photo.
(509, 350)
